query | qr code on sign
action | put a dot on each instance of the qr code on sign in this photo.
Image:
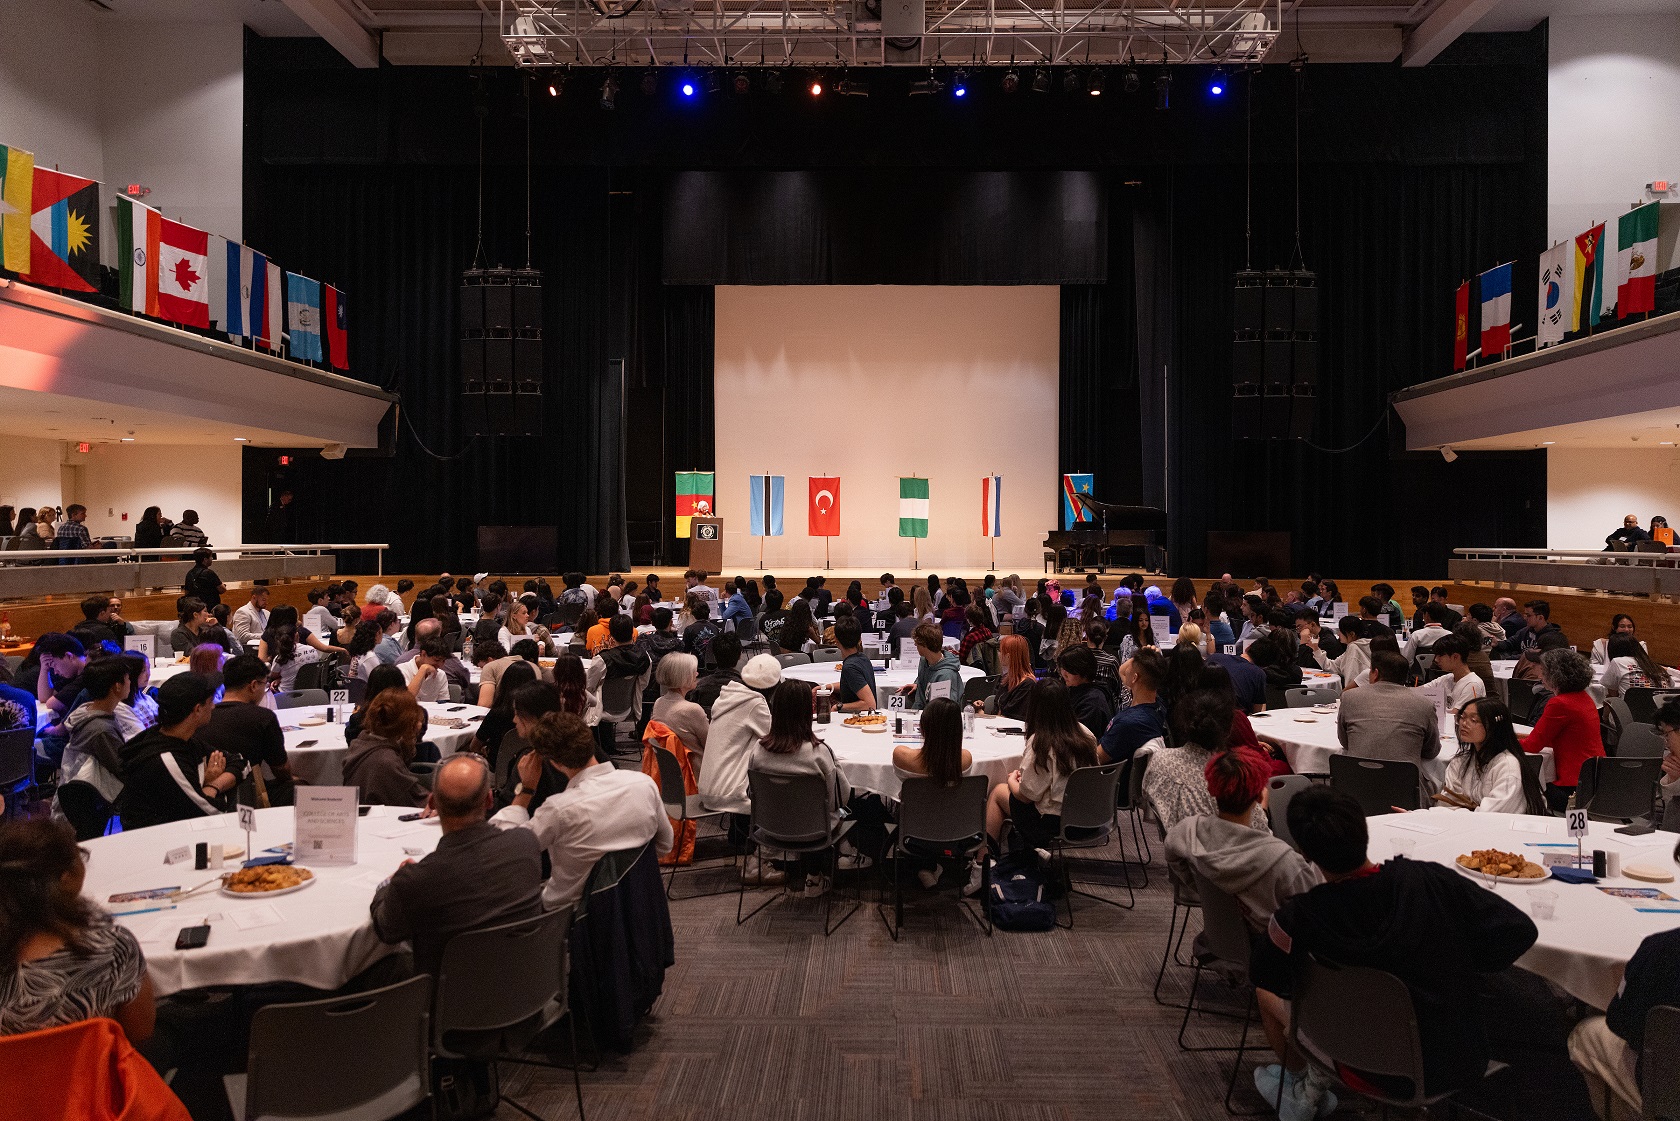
(315, 844)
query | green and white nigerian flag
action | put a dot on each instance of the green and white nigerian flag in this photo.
(912, 507)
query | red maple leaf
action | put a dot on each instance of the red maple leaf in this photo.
(184, 274)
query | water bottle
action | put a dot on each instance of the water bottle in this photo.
(466, 650)
(968, 721)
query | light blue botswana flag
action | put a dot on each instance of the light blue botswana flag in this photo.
(764, 505)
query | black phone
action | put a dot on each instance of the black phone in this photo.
(362, 811)
(409, 817)
(307, 743)
(457, 708)
(192, 937)
(1011, 731)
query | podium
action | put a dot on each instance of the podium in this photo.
(705, 544)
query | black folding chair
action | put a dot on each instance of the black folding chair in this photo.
(790, 814)
(1377, 784)
(1089, 807)
(950, 819)
(1619, 789)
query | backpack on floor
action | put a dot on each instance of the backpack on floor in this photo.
(1018, 899)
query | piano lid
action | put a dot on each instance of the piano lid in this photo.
(1116, 516)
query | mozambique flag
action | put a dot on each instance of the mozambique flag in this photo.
(17, 184)
(912, 507)
(1589, 278)
(694, 498)
(64, 232)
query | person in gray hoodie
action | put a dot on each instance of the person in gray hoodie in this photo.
(94, 753)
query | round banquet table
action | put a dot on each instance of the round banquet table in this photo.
(322, 762)
(1584, 949)
(866, 757)
(828, 673)
(320, 936)
(1308, 739)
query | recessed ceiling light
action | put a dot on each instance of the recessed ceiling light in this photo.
(241, 440)
(128, 439)
(1550, 441)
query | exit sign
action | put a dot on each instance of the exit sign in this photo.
(84, 447)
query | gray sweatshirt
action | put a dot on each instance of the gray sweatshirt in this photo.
(1259, 869)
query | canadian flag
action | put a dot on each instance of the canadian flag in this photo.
(183, 275)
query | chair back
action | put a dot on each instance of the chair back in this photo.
(791, 808)
(85, 809)
(565, 615)
(673, 790)
(618, 699)
(1618, 789)
(1640, 703)
(795, 658)
(300, 698)
(1305, 696)
(1280, 790)
(951, 628)
(357, 687)
(1660, 1064)
(1520, 694)
(978, 689)
(358, 1051)
(17, 756)
(942, 814)
(1224, 930)
(1359, 1017)
(1378, 784)
(1532, 765)
(1135, 766)
(1639, 741)
(826, 654)
(500, 976)
(1091, 796)
(308, 677)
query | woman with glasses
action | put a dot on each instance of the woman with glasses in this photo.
(1488, 767)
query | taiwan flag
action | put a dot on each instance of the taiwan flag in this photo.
(183, 275)
(64, 232)
(334, 317)
(825, 506)
(1073, 512)
(694, 498)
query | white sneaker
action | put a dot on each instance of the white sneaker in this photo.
(974, 878)
(929, 879)
(761, 872)
(852, 861)
(816, 886)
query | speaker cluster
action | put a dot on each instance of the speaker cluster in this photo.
(501, 351)
(1274, 366)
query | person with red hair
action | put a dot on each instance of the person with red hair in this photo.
(1016, 661)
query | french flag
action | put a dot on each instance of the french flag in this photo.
(1496, 310)
(991, 506)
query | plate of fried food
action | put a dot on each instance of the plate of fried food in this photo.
(1507, 867)
(266, 880)
(868, 721)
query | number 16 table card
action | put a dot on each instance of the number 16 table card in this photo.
(325, 825)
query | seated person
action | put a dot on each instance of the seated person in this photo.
(94, 752)
(378, 759)
(169, 773)
(1438, 624)
(240, 725)
(857, 673)
(1382, 719)
(1430, 926)
(1452, 660)
(942, 758)
(621, 655)
(1568, 724)
(603, 809)
(1078, 668)
(287, 655)
(939, 674)
(1630, 666)
(1143, 720)
(424, 674)
(740, 718)
(1176, 779)
(1607, 1048)
(64, 959)
(1488, 768)
(726, 652)
(478, 875)
(96, 627)
(194, 626)
(1625, 538)
(678, 673)
(57, 681)
(1016, 661)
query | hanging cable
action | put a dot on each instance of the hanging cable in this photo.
(415, 436)
(483, 111)
(1299, 260)
(1248, 177)
(1339, 451)
(528, 110)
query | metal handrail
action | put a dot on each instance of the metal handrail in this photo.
(1564, 554)
(123, 554)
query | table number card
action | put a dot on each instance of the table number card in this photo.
(141, 644)
(896, 702)
(1577, 823)
(325, 824)
(339, 697)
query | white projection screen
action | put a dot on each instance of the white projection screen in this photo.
(873, 382)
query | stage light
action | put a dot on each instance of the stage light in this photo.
(1129, 80)
(1094, 87)
(554, 88)
(1217, 86)
(689, 86)
(1070, 82)
(1041, 80)
(773, 82)
(926, 85)
(959, 85)
(742, 82)
(1011, 82)
(1163, 91)
(609, 94)
(846, 87)
(815, 86)
(650, 83)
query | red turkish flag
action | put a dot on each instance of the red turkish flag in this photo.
(825, 506)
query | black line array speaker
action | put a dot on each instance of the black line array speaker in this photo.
(1274, 357)
(501, 351)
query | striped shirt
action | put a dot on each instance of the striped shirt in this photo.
(65, 986)
(72, 535)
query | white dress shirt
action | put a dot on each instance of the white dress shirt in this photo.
(602, 810)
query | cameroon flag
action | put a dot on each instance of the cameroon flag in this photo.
(694, 498)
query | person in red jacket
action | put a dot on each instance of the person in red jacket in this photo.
(1569, 723)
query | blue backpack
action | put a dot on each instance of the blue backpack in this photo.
(1018, 898)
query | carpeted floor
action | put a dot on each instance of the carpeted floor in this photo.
(771, 1021)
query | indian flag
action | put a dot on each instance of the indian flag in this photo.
(1636, 261)
(17, 189)
(912, 507)
(139, 234)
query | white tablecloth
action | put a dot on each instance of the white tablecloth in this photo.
(322, 763)
(1308, 740)
(866, 757)
(324, 936)
(828, 673)
(1585, 947)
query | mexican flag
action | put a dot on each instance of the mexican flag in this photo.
(139, 231)
(912, 507)
(694, 498)
(1636, 261)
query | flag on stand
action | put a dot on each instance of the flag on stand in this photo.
(183, 274)
(1636, 259)
(1072, 512)
(334, 316)
(1496, 310)
(1461, 327)
(303, 313)
(764, 505)
(991, 506)
(139, 230)
(1557, 281)
(694, 498)
(17, 184)
(64, 232)
(825, 506)
(247, 292)
(271, 328)
(1589, 278)
(912, 507)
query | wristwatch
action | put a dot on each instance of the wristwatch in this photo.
(519, 788)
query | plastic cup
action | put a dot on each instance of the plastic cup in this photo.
(1542, 904)
(1402, 846)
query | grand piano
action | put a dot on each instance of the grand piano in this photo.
(1097, 543)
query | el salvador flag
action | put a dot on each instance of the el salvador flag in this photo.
(247, 291)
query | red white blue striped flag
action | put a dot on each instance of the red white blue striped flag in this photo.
(991, 506)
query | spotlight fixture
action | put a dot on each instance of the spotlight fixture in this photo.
(1448, 454)
(1094, 86)
(1163, 91)
(815, 87)
(1041, 80)
(609, 93)
(846, 87)
(742, 82)
(689, 86)
(773, 82)
(926, 85)
(650, 83)
(1070, 82)
(1129, 80)
(959, 84)
(1216, 86)
(554, 87)
(1011, 82)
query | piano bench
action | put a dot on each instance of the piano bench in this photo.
(1050, 559)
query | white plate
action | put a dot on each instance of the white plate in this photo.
(312, 722)
(267, 894)
(1485, 878)
(872, 729)
(1306, 720)
(1324, 708)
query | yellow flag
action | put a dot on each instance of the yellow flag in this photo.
(17, 188)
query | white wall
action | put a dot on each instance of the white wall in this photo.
(1613, 98)
(119, 479)
(871, 383)
(1590, 490)
(49, 84)
(29, 472)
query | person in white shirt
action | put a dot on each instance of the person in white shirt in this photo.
(319, 619)
(1438, 617)
(1632, 667)
(694, 581)
(518, 625)
(1459, 685)
(602, 810)
(250, 621)
(1620, 624)
(424, 672)
(1487, 770)
(1354, 662)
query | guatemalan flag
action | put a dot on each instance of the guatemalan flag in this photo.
(1496, 310)
(991, 506)
(247, 292)
(303, 312)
